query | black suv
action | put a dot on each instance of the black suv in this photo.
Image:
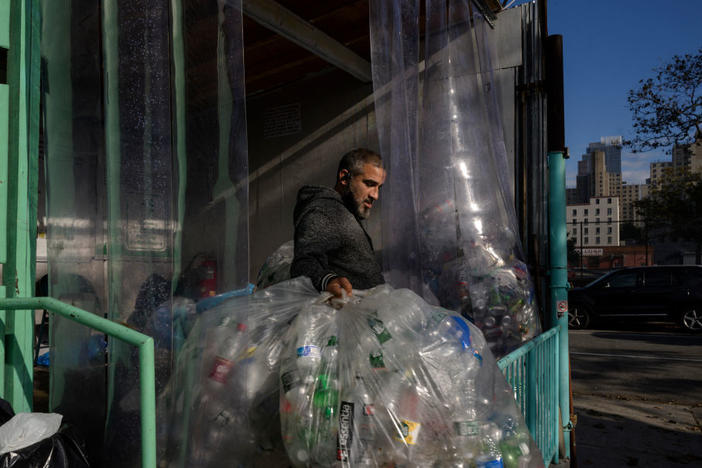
(654, 292)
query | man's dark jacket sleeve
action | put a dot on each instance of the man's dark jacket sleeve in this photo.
(314, 237)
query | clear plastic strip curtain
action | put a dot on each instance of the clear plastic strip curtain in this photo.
(147, 191)
(449, 224)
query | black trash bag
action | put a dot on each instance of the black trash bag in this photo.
(65, 449)
(6, 411)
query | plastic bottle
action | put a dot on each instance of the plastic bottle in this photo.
(466, 443)
(305, 389)
(403, 314)
(215, 417)
(326, 406)
(296, 414)
(514, 444)
(410, 443)
(371, 444)
(448, 353)
(307, 343)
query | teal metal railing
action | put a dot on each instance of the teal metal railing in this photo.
(532, 371)
(147, 385)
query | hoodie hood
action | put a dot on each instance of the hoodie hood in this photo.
(311, 195)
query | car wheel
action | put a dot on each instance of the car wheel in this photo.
(578, 317)
(691, 319)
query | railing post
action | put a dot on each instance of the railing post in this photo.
(557, 223)
(147, 383)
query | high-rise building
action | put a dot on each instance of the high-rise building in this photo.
(686, 159)
(682, 157)
(629, 195)
(571, 196)
(600, 170)
(612, 147)
(582, 180)
(696, 154)
(602, 182)
(660, 170)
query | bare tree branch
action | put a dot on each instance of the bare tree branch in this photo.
(667, 109)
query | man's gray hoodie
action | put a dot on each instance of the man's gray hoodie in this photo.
(331, 242)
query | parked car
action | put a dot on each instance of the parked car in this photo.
(641, 293)
(579, 278)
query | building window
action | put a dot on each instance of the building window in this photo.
(585, 221)
(597, 212)
(597, 220)
(597, 201)
(586, 241)
(585, 231)
(609, 240)
(609, 200)
(597, 230)
(586, 212)
(575, 212)
(609, 211)
(574, 221)
(609, 220)
(597, 240)
(609, 230)
(575, 232)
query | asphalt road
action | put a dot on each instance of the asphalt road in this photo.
(655, 365)
(637, 394)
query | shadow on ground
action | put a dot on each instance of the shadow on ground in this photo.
(637, 377)
(608, 440)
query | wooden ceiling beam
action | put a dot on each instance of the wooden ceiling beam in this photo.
(284, 22)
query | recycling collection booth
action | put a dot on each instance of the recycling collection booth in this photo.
(157, 146)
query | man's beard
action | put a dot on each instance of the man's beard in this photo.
(355, 206)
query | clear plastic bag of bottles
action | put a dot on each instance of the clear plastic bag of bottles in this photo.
(480, 277)
(222, 399)
(388, 380)
(276, 268)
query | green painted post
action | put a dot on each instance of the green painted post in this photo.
(18, 270)
(559, 281)
(5, 25)
(558, 269)
(4, 156)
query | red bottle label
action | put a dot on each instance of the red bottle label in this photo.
(220, 369)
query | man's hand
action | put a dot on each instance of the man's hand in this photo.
(337, 285)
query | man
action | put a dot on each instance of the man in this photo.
(332, 247)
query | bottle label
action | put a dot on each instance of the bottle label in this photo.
(308, 351)
(465, 428)
(410, 431)
(436, 317)
(220, 369)
(289, 380)
(345, 436)
(520, 270)
(376, 360)
(378, 328)
(489, 461)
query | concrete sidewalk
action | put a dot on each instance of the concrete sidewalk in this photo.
(621, 431)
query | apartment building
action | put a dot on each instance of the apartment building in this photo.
(629, 194)
(594, 224)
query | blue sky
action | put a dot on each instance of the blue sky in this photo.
(608, 47)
